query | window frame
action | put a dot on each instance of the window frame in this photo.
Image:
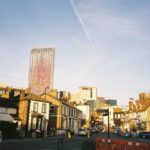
(35, 107)
(43, 107)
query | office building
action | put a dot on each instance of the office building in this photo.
(111, 102)
(41, 70)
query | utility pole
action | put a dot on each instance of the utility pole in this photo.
(108, 124)
(45, 91)
(105, 113)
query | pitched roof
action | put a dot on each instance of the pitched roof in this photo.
(51, 97)
(35, 97)
(59, 100)
(145, 107)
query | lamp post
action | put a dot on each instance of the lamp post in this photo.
(108, 124)
(45, 90)
(105, 113)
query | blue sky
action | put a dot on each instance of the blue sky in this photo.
(100, 43)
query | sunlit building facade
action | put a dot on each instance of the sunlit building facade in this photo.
(84, 94)
(41, 70)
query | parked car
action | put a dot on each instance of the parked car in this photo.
(135, 135)
(132, 135)
(83, 131)
(144, 134)
(128, 135)
(117, 131)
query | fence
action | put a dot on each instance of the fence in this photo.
(120, 144)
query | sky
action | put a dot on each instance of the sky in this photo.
(100, 43)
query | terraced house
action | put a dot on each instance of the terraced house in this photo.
(34, 114)
(63, 116)
(138, 115)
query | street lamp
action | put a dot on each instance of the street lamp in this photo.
(45, 90)
(105, 113)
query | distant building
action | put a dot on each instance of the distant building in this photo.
(41, 70)
(85, 113)
(100, 102)
(84, 94)
(88, 93)
(64, 95)
(92, 104)
(116, 116)
(111, 102)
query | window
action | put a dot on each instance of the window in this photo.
(66, 112)
(52, 110)
(69, 112)
(39, 123)
(63, 110)
(75, 114)
(35, 107)
(91, 94)
(43, 108)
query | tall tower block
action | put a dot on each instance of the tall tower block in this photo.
(41, 69)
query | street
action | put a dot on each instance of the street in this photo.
(51, 143)
(54, 143)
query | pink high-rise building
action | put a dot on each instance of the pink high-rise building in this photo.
(41, 70)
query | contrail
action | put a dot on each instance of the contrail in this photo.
(82, 24)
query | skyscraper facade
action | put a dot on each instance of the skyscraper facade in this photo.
(41, 70)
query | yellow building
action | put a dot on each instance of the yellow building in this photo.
(84, 94)
(144, 117)
(138, 115)
(33, 112)
(62, 115)
(9, 92)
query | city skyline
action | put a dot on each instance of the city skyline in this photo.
(98, 43)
